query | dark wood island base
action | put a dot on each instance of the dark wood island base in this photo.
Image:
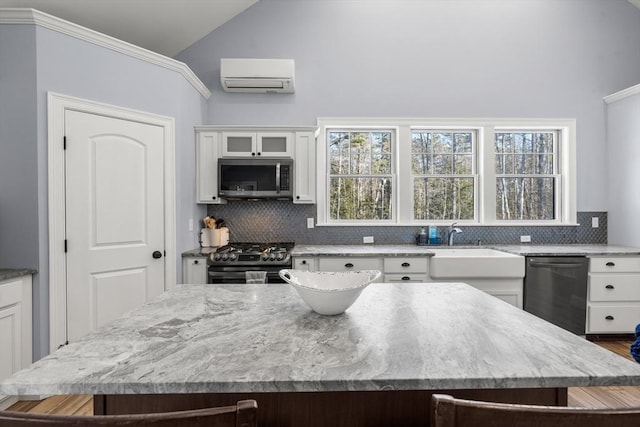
(326, 409)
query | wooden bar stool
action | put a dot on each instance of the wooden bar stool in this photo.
(243, 414)
(447, 411)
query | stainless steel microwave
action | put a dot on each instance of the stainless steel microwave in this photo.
(255, 178)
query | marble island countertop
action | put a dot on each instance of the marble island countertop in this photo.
(263, 338)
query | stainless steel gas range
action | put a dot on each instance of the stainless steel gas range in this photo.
(229, 263)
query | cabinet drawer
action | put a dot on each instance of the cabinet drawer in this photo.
(614, 287)
(306, 264)
(615, 264)
(406, 265)
(413, 277)
(349, 263)
(10, 293)
(613, 319)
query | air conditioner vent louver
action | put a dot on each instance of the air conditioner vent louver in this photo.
(257, 75)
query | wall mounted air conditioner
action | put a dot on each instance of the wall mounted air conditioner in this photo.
(257, 75)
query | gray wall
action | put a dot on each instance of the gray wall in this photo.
(436, 58)
(36, 60)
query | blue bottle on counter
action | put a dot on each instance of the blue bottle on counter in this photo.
(433, 235)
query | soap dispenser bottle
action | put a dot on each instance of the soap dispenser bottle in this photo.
(422, 239)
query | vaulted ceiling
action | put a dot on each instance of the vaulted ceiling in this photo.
(163, 26)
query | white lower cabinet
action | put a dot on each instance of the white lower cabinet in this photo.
(398, 269)
(349, 263)
(194, 270)
(406, 269)
(15, 328)
(613, 296)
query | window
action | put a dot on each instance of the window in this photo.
(443, 166)
(525, 175)
(361, 180)
(406, 171)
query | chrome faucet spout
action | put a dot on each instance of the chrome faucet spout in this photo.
(452, 231)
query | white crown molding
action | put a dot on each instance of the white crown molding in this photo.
(624, 93)
(33, 16)
(636, 3)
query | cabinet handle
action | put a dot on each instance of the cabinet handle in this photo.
(610, 264)
(610, 287)
(304, 261)
(609, 317)
(406, 278)
(348, 265)
(406, 264)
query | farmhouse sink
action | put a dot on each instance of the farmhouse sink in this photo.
(474, 263)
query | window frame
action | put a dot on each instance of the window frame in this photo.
(485, 188)
(556, 175)
(474, 175)
(392, 175)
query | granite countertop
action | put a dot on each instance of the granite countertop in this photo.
(568, 250)
(11, 273)
(414, 250)
(263, 338)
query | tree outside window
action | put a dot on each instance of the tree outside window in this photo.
(361, 177)
(525, 175)
(443, 165)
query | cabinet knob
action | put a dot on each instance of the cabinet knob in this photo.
(298, 197)
(406, 264)
(610, 287)
(304, 261)
(253, 154)
(214, 197)
(349, 265)
(610, 264)
(196, 262)
(609, 317)
(259, 153)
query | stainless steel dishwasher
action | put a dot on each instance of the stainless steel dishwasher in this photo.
(555, 289)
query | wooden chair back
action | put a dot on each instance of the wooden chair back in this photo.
(243, 414)
(447, 411)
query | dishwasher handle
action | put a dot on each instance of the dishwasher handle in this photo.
(556, 264)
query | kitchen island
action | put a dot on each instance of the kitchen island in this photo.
(376, 364)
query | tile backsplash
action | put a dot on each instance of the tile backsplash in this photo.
(276, 220)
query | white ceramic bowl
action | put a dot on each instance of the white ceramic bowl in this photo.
(329, 292)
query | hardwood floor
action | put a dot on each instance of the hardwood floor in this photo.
(596, 397)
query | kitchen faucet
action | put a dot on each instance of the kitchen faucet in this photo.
(452, 231)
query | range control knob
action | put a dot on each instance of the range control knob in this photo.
(217, 257)
(280, 257)
(272, 257)
(225, 257)
(232, 257)
(265, 257)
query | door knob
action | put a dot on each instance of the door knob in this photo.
(156, 254)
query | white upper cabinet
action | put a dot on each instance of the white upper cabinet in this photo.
(207, 154)
(257, 144)
(295, 142)
(304, 180)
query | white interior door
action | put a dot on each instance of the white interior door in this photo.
(114, 218)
